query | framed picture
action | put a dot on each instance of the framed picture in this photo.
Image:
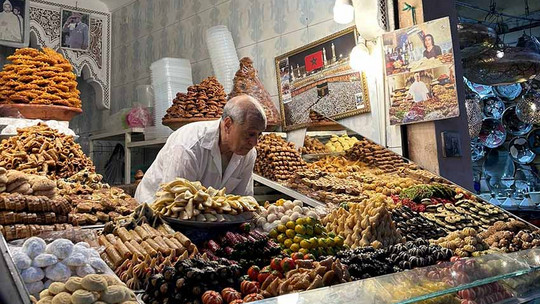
(318, 78)
(75, 31)
(451, 144)
(14, 23)
(419, 64)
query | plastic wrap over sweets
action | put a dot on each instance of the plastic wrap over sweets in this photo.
(247, 82)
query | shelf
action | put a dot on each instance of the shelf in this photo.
(148, 143)
(287, 191)
(116, 135)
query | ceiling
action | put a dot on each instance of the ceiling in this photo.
(471, 10)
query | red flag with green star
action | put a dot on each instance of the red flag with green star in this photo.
(314, 61)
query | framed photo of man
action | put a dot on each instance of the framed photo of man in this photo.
(75, 31)
(14, 23)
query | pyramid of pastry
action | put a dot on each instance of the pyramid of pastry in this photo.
(39, 77)
(247, 82)
(204, 100)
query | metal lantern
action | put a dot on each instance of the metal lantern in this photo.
(528, 108)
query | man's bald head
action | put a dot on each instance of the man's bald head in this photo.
(244, 108)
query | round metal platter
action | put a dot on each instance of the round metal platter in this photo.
(520, 151)
(498, 164)
(508, 92)
(492, 107)
(492, 134)
(513, 125)
(480, 89)
(478, 151)
(534, 141)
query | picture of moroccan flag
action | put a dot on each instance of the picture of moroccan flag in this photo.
(314, 61)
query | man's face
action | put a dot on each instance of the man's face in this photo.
(7, 7)
(76, 19)
(417, 77)
(16, 11)
(243, 137)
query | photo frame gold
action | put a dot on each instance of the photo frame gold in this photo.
(322, 68)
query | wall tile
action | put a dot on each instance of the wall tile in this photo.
(275, 100)
(201, 70)
(164, 6)
(163, 43)
(203, 5)
(265, 62)
(149, 50)
(203, 21)
(115, 29)
(241, 28)
(296, 14)
(248, 51)
(172, 41)
(131, 66)
(320, 11)
(123, 38)
(149, 14)
(187, 43)
(136, 20)
(293, 40)
(270, 18)
(320, 30)
(175, 33)
(223, 18)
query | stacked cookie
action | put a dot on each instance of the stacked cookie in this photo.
(204, 100)
(12, 181)
(39, 77)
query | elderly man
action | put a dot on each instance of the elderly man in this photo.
(77, 30)
(9, 24)
(216, 153)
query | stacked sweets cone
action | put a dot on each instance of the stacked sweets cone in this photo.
(39, 77)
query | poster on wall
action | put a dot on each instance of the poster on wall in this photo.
(75, 30)
(419, 66)
(14, 24)
(317, 78)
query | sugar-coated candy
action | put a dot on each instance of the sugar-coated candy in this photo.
(32, 274)
(22, 261)
(34, 246)
(44, 260)
(58, 272)
(61, 248)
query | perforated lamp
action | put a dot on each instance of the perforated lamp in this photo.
(343, 11)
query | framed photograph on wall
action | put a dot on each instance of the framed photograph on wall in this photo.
(420, 72)
(14, 23)
(318, 78)
(75, 31)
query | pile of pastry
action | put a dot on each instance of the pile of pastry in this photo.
(39, 77)
(204, 100)
(42, 150)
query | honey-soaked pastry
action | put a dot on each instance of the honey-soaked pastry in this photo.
(46, 70)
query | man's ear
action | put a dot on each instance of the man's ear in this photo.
(227, 123)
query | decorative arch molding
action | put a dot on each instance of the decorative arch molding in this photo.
(93, 64)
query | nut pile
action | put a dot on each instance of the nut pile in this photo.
(413, 226)
(417, 193)
(277, 159)
(341, 143)
(313, 146)
(375, 155)
(464, 243)
(100, 206)
(88, 289)
(39, 77)
(82, 182)
(511, 236)
(187, 200)
(204, 100)
(41, 150)
(13, 181)
(365, 224)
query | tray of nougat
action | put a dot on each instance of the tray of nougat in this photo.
(190, 203)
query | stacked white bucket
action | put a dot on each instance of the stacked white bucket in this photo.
(223, 55)
(169, 76)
